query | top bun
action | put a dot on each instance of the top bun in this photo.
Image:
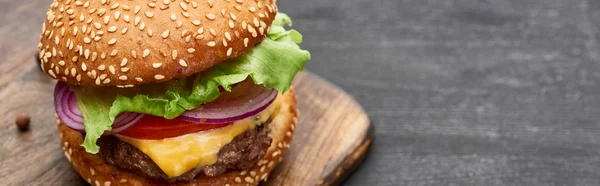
(128, 42)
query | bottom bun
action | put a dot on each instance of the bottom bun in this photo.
(99, 173)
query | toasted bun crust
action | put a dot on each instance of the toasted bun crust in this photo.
(124, 42)
(97, 172)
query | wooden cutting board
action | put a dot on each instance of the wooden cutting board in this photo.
(331, 139)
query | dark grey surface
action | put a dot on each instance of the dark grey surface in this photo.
(465, 92)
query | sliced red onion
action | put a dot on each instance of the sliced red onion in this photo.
(255, 100)
(65, 103)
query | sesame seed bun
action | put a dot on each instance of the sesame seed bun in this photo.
(124, 42)
(97, 172)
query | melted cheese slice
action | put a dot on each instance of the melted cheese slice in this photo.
(178, 155)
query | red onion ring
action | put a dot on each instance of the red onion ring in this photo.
(255, 100)
(65, 105)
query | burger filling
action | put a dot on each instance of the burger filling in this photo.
(242, 153)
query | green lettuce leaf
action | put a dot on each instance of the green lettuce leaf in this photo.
(273, 63)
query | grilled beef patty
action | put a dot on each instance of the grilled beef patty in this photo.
(242, 153)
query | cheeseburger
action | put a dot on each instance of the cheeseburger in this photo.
(172, 92)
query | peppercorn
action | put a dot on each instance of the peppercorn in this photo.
(22, 122)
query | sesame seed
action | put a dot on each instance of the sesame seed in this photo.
(117, 15)
(158, 77)
(142, 26)
(94, 56)
(149, 14)
(151, 5)
(270, 164)
(166, 2)
(174, 54)
(261, 15)
(245, 42)
(146, 53)
(103, 55)
(211, 16)
(123, 62)
(201, 30)
(52, 74)
(185, 14)
(116, 5)
(111, 69)
(194, 4)
(252, 9)
(183, 63)
(123, 78)
(124, 30)
(134, 54)
(126, 18)
(106, 81)
(103, 76)
(101, 67)
(150, 32)
(73, 72)
(228, 36)
(262, 169)
(107, 183)
(87, 40)
(249, 180)
(223, 12)
(229, 51)
(114, 52)
(211, 43)
(252, 173)
(87, 53)
(136, 9)
(173, 17)
(276, 153)
(183, 6)
(112, 29)
(139, 79)
(196, 22)
(224, 42)
(83, 67)
(238, 7)
(125, 7)
(124, 69)
(112, 41)
(92, 171)
(231, 24)
(256, 24)
(61, 63)
(165, 34)
(156, 65)
(191, 50)
(212, 31)
(238, 180)
(179, 24)
(244, 24)
(232, 16)
(136, 21)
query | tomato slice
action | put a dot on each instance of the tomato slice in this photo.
(153, 127)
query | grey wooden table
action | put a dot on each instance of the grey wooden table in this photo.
(465, 92)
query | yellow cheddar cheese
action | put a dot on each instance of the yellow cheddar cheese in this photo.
(178, 155)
